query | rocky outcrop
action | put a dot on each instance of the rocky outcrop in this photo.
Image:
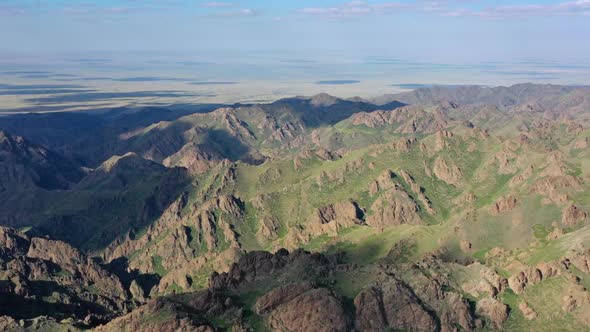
(494, 310)
(523, 176)
(331, 218)
(576, 296)
(555, 234)
(297, 306)
(77, 264)
(555, 188)
(48, 275)
(573, 215)
(505, 160)
(409, 179)
(186, 240)
(527, 311)
(393, 208)
(280, 295)
(155, 316)
(236, 127)
(406, 120)
(197, 158)
(504, 204)
(269, 228)
(124, 247)
(137, 291)
(313, 310)
(447, 171)
(489, 282)
(288, 131)
(533, 275)
(382, 183)
(392, 305)
(432, 283)
(580, 260)
(12, 244)
(374, 119)
(440, 140)
(260, 265)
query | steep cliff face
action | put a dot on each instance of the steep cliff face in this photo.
(51, 278)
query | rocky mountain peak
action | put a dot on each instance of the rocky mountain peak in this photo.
(323, 100)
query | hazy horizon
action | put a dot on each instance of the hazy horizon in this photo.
(262, 50)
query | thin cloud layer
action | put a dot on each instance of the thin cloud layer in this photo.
(448, 8)
(580, 7)
(217, 4)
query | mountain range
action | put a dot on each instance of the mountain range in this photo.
(459, 208)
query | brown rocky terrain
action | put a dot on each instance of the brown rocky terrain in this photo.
(311, 305)
(51, 278)
(464, 211)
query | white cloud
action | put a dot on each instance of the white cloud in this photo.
(360, 8)
(579, 7)
(217, 4)
(447, 8)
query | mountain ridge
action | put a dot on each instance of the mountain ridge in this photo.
(477, 206)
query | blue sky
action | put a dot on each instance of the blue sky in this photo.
(446, 30)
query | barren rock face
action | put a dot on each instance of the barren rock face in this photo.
(394, 207)
(269, 228)
(554, 187)
(392, 305)
(418, 190)
(408, 119)
(504, 204)
(576, 297)
(518, 282)
(573, 215)
(494, 310)
(369, 310)
(490, 282)
(314, 310)
(581, 260)
(533, 275)
(278, 296)
(382, 183)
(344, 213)
(143, 320)
(194, 157)
(12, 243)
(66, 274)
(447, 171)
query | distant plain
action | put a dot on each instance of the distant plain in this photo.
(48, 83)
